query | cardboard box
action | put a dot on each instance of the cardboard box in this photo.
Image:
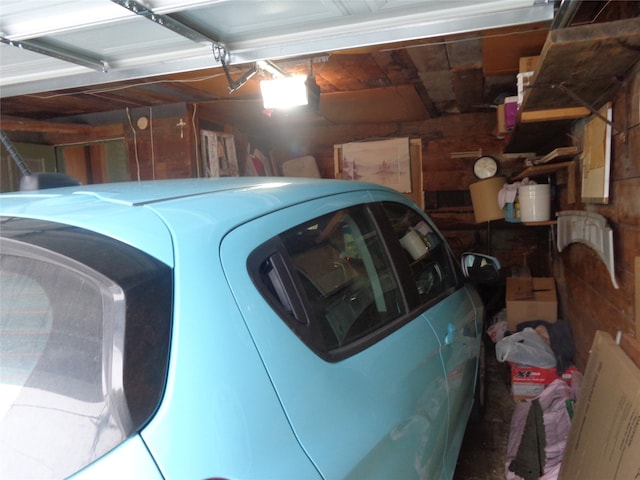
(528, 382)
(528, 64)
(604, 439)
(532, 298)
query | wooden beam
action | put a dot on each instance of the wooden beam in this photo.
(637, 292)
(12, 124)
(631, 347)
(52, 133)
(554, 114)
(571, 184)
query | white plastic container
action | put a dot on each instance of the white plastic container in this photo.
(535, 202)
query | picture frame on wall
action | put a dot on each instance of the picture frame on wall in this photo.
(218, 154)
(596, 156)
(395, 172)
(386, 162)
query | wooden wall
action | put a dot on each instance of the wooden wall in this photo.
(587, 297)
(163, 145)
(441, 137)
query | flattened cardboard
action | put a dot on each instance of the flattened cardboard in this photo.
(532, 298)
(604, 440)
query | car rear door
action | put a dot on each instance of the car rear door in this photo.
(359, 376)
(448, 306)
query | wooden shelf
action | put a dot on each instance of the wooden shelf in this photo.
(548, 168)
(540, 224)
(579, 67)
(539, 170)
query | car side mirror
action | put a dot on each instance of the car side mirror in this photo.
(480, 268)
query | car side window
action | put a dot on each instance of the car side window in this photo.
(339, 267)
(426, 252)
(85, 324)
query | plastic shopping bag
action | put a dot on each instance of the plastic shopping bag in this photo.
(526, 348)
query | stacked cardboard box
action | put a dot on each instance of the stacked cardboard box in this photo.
(531, 298)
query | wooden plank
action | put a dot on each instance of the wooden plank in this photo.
(637, 293)
(553, 114)
(11, 124)
(631, 347)
(468, 86)
(587, 59)
(417, 188)
(556, 153)
(538, 170)
(443, 180)
(502, 49)
(571, 184)
(378, 105)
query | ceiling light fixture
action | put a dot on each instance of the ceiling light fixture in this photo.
(282, 91)
(288, 91)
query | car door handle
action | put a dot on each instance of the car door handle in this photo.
(450, 337)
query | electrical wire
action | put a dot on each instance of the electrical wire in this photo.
(135, 143)
(153, 156)
(125, 87)
(195, 139)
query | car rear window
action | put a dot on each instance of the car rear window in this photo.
(84, 335)
(332, 281)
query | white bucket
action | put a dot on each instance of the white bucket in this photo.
(535, 202)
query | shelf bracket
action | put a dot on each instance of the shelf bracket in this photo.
(590, 229)
(586, 105)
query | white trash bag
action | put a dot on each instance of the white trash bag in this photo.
(526, 348)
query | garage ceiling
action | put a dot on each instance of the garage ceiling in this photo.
(70, 43)
(397, 60)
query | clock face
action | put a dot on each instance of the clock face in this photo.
(485, 167)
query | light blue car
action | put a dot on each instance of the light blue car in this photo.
(234, 328)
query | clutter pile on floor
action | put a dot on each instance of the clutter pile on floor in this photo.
(545, 385)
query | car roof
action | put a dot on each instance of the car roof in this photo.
(289, 190)
(129, 211)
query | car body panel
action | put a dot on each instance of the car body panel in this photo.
(217, 391)
(244, 397)
(377, 413)
(454, 323)
(129, 461)
(120, 210)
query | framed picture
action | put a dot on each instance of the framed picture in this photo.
(395, 162)
(218, 154)
(386, 162)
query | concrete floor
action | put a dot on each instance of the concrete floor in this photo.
(484, 447)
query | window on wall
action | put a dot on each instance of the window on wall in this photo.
(101, 162)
